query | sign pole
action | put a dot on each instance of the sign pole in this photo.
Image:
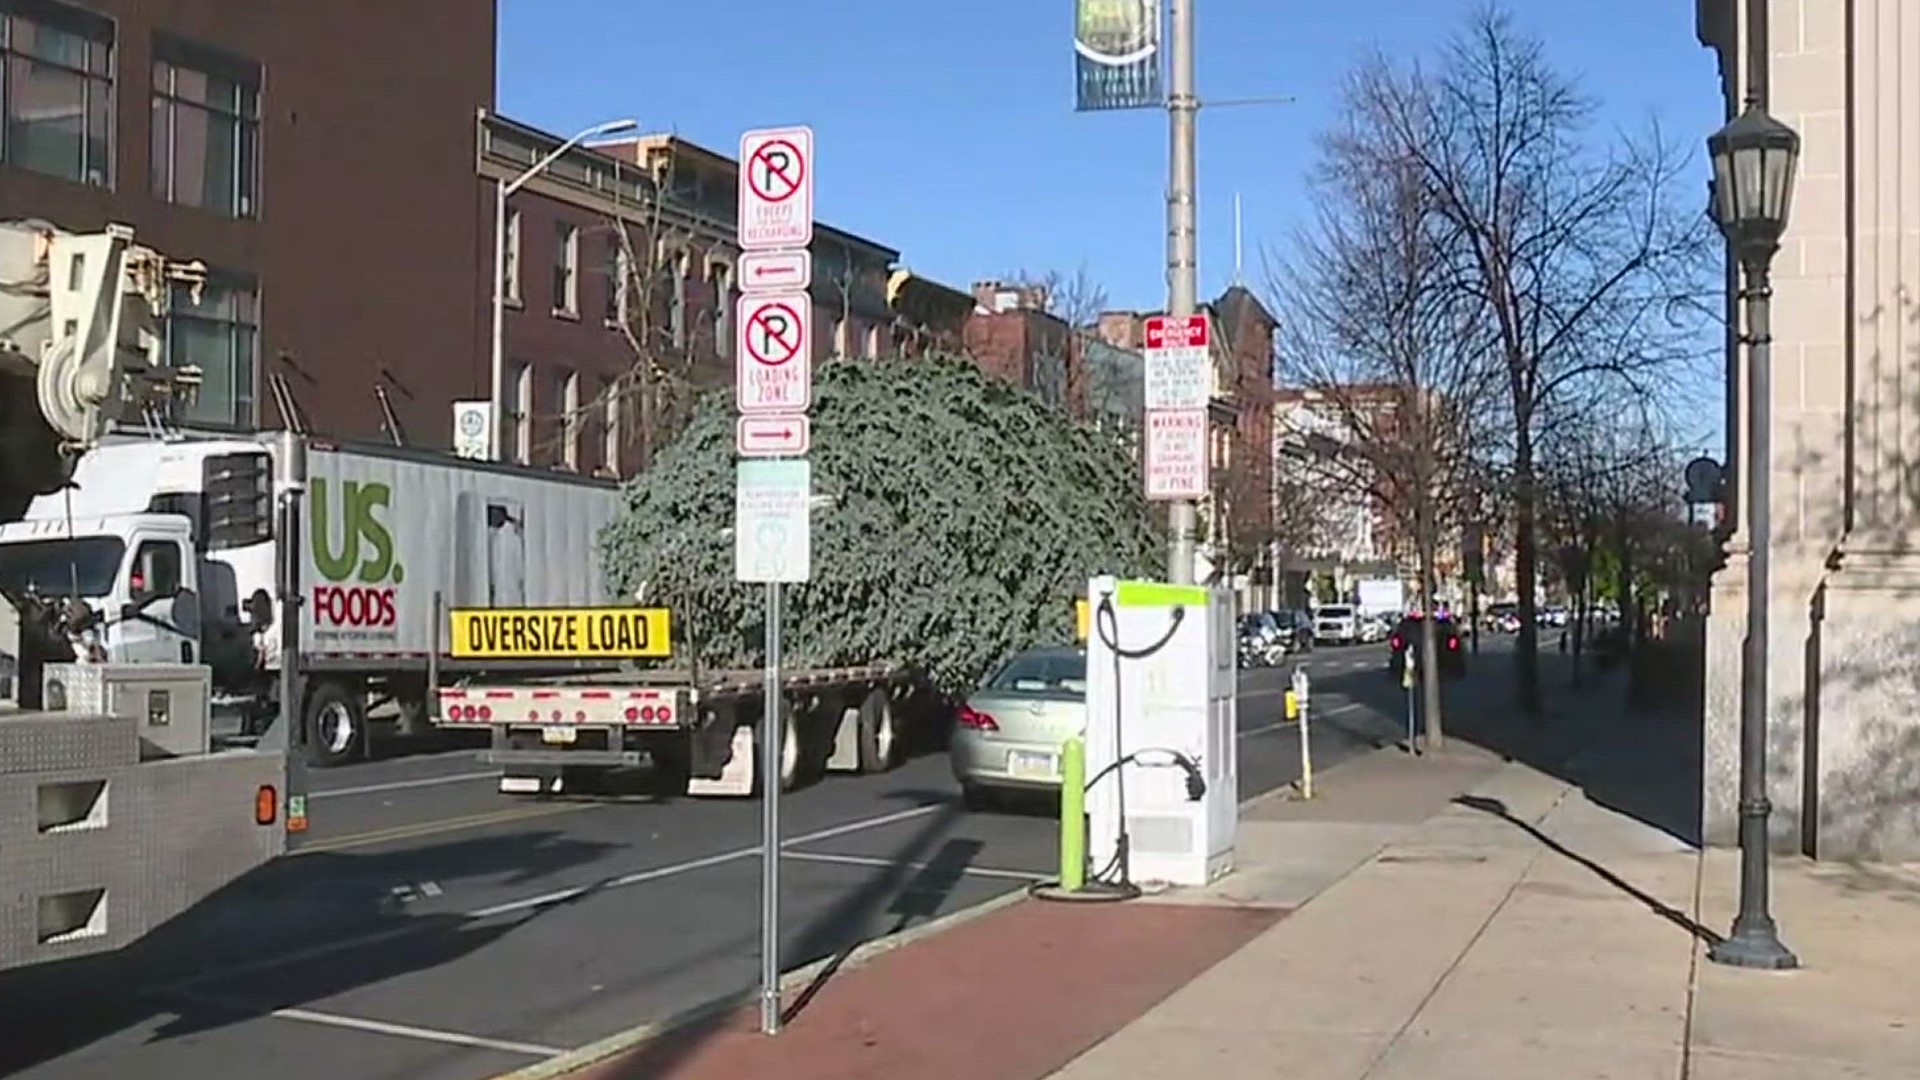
(771, 730)
(773, 484)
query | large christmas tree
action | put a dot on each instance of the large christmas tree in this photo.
(960, 517)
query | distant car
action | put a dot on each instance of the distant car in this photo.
(1375, 628)
(1007, 735)
(1451, 651)
(1336, 624)
(1298, 628)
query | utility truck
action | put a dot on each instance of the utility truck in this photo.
(393, 538)
(119, 808)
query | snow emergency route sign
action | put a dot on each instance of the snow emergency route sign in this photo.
(776, 188)
(1178, 354)
(773, 366)
(1177, 454)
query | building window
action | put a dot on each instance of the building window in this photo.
(513, 257)
(522, 419)
(206, 130)
(610, 426)
(56, 90)
(220, 335)
(618, 262)
(720, 279)
(571, 420)
(677, 305)
(566, 270)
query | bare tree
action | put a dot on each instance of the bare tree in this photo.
(669, 292)
(1578, 261)
(1077, 299)
(1391, 376)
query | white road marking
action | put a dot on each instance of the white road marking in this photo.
(314, 952)
(1281, 724)
(879, 863)
(402, 785)
(409, 1031)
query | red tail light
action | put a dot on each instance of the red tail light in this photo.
(975, 720)
(1453, 644)
(1394, 643)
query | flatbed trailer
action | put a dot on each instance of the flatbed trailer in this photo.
(696, 731)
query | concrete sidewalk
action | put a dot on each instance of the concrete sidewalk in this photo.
(1523, 931)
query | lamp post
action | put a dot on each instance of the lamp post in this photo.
(1753, 167)
(503, 190)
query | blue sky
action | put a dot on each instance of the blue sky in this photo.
(947, 130)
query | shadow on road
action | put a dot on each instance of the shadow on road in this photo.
(887, 902)
(324, 905)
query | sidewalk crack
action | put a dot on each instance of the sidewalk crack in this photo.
(1400, 1034)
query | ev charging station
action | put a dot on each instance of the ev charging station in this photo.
(1162, 759)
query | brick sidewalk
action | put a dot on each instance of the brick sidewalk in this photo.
(1014, 995)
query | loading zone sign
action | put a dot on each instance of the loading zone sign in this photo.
(773, 350)
(776, 188)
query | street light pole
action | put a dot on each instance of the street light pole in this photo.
(1754, 158)
(503, 189)
(1183, 284)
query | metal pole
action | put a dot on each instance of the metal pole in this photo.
(1755, 940)
(770, 754)
(497, 422)
(1183, 284)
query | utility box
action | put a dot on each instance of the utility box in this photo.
(1161, 682)
(169, 703)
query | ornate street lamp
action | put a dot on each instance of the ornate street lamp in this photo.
(1753, 167)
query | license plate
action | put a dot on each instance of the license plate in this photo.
(559, 735)
(1033, 765)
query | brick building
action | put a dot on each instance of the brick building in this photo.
(621, 290)
(1013, 336)
(323, 172)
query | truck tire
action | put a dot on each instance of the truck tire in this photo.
(335, 724)
(790, 755)
(879, 733)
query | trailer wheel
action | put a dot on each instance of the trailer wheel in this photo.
(789, 752)
(336, 724)
(879, 733)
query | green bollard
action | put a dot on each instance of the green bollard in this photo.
(1073, 814)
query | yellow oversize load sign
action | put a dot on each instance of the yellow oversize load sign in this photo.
(603, 633)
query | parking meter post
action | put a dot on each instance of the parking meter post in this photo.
(1410, 682)
(1073, 814)
(1302, 694)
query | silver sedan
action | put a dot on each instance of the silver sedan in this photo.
(1008, 733)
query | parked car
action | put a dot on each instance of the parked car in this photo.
(1336, 624)
(1297, 627)
(1375, 628)
(1007, 735)
(1451, 651)
(1504, 618)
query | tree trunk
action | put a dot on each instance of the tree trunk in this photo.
(1430, 703)
(1526, 570)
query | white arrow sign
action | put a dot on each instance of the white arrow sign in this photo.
(773, 436)
(786, 270)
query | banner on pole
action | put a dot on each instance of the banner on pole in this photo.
(1116, 55)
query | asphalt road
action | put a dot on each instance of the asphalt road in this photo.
(435, 930)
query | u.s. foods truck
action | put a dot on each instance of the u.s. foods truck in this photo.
(393, 538)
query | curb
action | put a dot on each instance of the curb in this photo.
(620, 1041)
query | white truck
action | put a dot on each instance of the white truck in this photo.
(119, 808)
(1386, 596)
(394, 538)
